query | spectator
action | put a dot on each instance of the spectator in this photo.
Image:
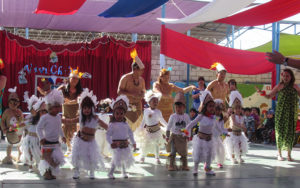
(197, 92)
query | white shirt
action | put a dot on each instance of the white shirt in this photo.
(49, 128)
(153, 117)
(206, 124)
(219, 128)
(178, 122)
(119, 131)
(90, 124)
(238, 119)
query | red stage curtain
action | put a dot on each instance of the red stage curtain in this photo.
(105, 59)
(203, 54)
(59, 7)
(266, 13)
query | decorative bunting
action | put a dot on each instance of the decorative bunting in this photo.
(59, 7)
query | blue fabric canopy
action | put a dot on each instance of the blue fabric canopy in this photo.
(131, 8)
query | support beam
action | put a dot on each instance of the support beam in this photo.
(26, 33)
(162, 58)
(275, 46)
(188, 81)
(134, 37)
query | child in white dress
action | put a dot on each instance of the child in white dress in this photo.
(31, 145)
(85, 151)
(117, 135)
(219, 131)
(236, 144)
(203, 145)
(152, 128)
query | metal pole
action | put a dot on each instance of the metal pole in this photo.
(188, 80)
(232, 39)
(134, 37)
(162, 58)
(275, 46)
(26, 33)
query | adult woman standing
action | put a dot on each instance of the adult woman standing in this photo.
(71, 91)
(286, 112)
(197, 92)
(163, 86)
(2, 87)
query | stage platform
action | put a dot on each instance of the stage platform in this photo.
(261, 169)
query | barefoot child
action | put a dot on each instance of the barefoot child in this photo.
(49, 131)
(12, 125)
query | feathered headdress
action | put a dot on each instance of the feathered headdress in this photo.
(30, 101)
(205, 97)
(136, 59)
(150, 95)
(121, 102)
(38, 104)
(219, 67)
(235, 98)
(75, 73)
(164, 71)
(86, 93)
(13, 93)
(55, 97)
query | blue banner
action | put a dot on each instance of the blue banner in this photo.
(131, 8)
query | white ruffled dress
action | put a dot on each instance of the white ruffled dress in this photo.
(149, 141)
(122, 157)
(218, 130)
(203, 151)
(49, 128)
(236, 145)
(31, 146)
(86, 154)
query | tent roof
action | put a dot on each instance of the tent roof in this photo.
(19, 13)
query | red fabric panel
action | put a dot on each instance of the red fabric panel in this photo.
(59, 7)
(266, 13)
(203, 54)
(105, 59)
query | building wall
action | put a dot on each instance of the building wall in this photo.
(179, 71)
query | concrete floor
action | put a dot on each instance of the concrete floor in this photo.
(261, 169)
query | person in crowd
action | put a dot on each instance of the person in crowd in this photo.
(197, 92)
(133, 86)
(163, 86)
(286, 112)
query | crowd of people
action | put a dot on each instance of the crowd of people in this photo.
(218, 125)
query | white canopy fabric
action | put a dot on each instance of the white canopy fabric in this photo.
(215, 10)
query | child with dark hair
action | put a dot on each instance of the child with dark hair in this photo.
(219, 131)
(268, 128)
(31, 145)
(85, 151)
(193, 113)
(203, 145)
(249, 123)
(117, 136)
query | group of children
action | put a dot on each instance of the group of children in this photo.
(41, 144)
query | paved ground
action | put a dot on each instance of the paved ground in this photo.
(261, 169)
